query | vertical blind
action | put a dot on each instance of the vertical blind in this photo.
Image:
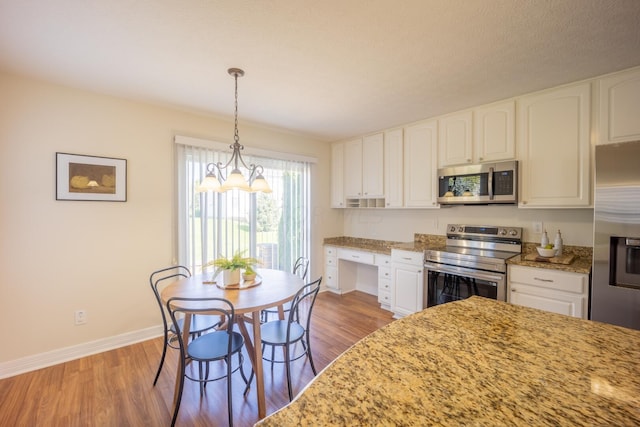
(274, 227)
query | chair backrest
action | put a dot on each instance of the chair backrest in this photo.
(301, 267)
(303, 302)
(175, 272)
(179, 306)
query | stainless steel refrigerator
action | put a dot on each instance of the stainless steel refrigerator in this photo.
(615, 289)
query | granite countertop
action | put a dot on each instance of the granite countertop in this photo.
(478, 362)
(581, 263)
(422, 242)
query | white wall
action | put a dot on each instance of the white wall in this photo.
(59, 256)
(576, 224)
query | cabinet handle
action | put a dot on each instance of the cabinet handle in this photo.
(543, 280)
(355, 256)
(408, 259)
(513, 290)
(419, 271)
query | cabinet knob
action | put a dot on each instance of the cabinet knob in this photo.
(468, 160)
(480, 158)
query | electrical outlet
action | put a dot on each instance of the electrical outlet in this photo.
(537, 227)
(81, 317)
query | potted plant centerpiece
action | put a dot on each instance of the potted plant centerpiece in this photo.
(230, 268)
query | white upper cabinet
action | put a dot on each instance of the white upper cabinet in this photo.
(494, 132)
(420, 165)
(455, 139)
(486, 134)
(364, 167)
(393, 168)
(554, 148)
(353, 168)
(373, 165)
(620, 107)
(337, 175)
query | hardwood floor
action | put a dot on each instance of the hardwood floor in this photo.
(115, 388)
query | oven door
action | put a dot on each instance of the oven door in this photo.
(446, 283)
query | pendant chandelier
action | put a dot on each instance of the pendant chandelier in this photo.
(235, 179)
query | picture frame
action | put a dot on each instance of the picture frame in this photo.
(90, 178)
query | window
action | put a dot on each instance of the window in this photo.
(271, 227)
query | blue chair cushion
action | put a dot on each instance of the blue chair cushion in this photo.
(275, 332)
(213, 346)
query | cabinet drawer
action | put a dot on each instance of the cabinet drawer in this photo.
(330, 251)
(382, 260)
(384, 273)
(384, 285)
(331, 277)
(407, 257)
(559, 280)
(384, 298)
(355, 256)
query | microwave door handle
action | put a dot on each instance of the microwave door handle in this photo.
(490, 183)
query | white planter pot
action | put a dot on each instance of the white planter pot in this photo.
(230, 277)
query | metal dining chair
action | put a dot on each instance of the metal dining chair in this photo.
(216, 346)
(300, 269)
(296, 329)
(199, 324)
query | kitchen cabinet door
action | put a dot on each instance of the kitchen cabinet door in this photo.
(620, 107)
(554, 148)
(373, 165)
(393, 168)
(455, 139)
(407, 286)
(420, 165)
(337, 176)
(407, 290)
(494, 132)
(353, 168)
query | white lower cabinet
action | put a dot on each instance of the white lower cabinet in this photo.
(550, 290)
(331, 268)
(407, 285)
(384, 281)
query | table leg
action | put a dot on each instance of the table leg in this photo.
(255, 354)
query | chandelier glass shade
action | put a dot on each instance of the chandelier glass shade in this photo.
(235, 179)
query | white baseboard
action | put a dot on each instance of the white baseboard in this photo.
(54, 357)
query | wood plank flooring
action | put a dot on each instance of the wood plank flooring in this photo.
(115, 388)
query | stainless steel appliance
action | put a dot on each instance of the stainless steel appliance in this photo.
(615, 288)
(472, 263)
(485, 183)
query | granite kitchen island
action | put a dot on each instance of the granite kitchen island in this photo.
(478, 362)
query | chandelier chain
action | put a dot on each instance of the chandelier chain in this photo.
(236, 138)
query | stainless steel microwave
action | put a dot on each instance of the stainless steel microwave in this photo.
(480, 184)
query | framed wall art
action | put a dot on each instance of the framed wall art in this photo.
(80, 177)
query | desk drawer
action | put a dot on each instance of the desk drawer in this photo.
(355, 256)
(407, 257)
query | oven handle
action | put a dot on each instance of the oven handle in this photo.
(460, 271)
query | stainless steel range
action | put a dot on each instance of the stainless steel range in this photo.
(474, 262)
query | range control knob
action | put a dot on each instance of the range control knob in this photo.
(452, 229)
(460, 229)
(502, 232)
(513, 232)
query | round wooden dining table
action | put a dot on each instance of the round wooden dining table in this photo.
(276, 287)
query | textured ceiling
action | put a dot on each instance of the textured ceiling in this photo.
(324, 68)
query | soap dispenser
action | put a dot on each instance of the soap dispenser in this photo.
(545, 239)
(558, 244)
